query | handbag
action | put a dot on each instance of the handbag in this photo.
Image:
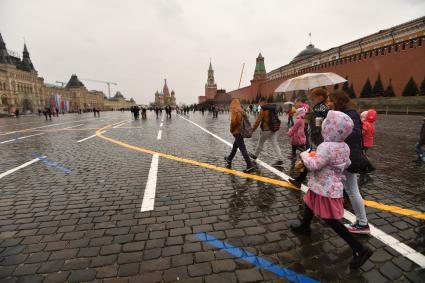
(360, 164)
(246, 129)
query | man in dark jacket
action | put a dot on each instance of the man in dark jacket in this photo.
(267, 133)
(421, 143)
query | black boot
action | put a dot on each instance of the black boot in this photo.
(228, 162)
(360, 258)
(300, 228)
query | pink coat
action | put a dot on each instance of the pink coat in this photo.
(296, 133)
(332, 156)
(369, 128)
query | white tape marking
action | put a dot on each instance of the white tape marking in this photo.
(159, 135)
(149, 195)
(90, 137)
(73, 126)
(21, 138)
(116, 126)
(20, 167)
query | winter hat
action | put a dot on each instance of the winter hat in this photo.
(336, 127)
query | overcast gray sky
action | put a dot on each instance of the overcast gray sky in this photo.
(139, 43)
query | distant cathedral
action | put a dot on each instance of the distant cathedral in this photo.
(164, 97)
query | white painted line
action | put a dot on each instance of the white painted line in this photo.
(20, 167)
(149, 195)
(74, 126)
(21, 138)
(161, 124)
(92, 136)
(41, 127)
(400, 247)
(159, 135)
(116, 126)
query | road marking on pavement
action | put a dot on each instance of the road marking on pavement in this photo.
(149, 195)
(41, 127)
(116, 126)
(400, 247)
(54, 164)
(90, 137)
(2, 175)
(159, 135)
(161, 124)
(73, 127)
(403, 249)
(21, 138)
(255, 260)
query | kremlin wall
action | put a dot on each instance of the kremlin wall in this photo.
(396, 55)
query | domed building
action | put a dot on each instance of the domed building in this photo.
(309, 51)
(164, 97)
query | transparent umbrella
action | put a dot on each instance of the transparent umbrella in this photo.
(309, 81)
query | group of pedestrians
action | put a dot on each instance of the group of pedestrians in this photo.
(135, 112)
(333, 141)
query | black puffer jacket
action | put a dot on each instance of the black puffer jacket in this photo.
(319, 110)
(354, 140)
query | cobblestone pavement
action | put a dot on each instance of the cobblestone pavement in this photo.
(75, 214)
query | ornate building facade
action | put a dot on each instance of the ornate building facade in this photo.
(21, 88)
(164, 98)
(395, 55)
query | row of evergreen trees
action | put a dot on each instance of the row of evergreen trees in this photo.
(368, 91)
(411, 89)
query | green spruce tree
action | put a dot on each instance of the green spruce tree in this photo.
(366, 90)
(411, 89)
(350, 91)
(389, 91)
(378, 88)
(422, 89)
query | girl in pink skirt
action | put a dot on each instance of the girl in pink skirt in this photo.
(325, 171)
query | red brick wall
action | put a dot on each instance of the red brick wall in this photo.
(397, 65)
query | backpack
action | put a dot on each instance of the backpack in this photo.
(246, 129)
(274, 121)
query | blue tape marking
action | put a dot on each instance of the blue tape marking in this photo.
(53, 164)
(255, 260)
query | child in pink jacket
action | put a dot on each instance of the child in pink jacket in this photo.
(325, 195)
(297, 134)
(369, 129)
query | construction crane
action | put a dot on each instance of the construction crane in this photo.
(105, 82)
(239, 85)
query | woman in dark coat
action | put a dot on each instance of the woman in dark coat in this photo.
(340, 101)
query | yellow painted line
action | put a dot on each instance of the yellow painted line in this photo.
(369, 203)
(395, 209)
(196, 163)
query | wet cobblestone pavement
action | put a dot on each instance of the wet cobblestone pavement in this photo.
(74, 216)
